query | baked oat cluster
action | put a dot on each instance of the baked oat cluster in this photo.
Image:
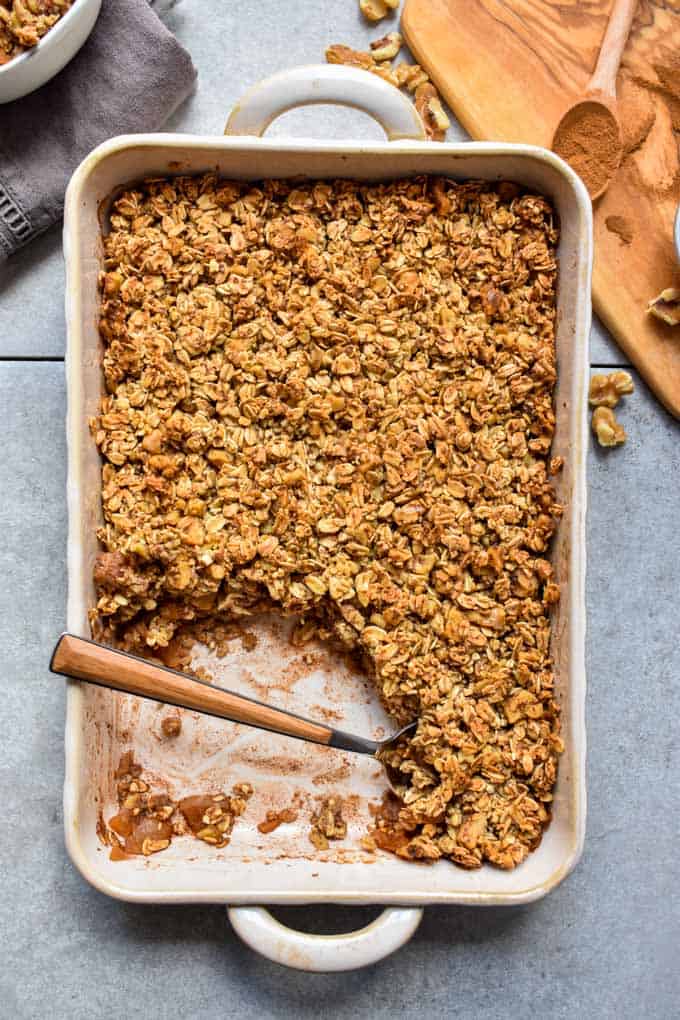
(23, 23)
(335, 399)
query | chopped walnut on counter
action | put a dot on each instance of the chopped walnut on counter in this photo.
(333, 400)
(667, 306)
(373, 10)
(339, 54)
(431, 112)
(327, 823)
(386, 48)
(376, 10)
(23, 23)
(608, 430)
(607, 390)
(604, 395)
(409, 76)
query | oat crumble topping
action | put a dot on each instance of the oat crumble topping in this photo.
(334, 399)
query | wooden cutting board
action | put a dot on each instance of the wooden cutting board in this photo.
(509, 68)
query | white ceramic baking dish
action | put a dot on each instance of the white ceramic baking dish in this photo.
(283, 867)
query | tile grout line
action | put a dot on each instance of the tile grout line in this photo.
(22, 359)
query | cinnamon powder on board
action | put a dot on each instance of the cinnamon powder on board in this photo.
(588, 139)
(620, 226)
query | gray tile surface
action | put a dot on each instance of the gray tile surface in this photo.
(603, 945)
(234, 43)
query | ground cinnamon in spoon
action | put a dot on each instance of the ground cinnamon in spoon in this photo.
(588, 139)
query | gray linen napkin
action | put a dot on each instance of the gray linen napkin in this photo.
(130, 75)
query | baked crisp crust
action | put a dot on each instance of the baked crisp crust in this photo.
(335, 399)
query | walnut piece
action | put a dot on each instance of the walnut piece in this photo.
(410, 76)
(667, 306)
(607, 429)
(171, 726)
(333, 400)
(387, 47)
(327, 823)
(607, 390)
(432, 114)
(376, 10)
(373, 10)
(338, 54)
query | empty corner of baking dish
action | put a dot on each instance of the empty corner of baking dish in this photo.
(559, 875)
(87, 865)
(83, 864)
(81, 859)
(557, 878)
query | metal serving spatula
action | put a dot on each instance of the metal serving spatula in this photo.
(97, 664)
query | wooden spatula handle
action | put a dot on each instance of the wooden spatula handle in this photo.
(613, 45)
(87, 660)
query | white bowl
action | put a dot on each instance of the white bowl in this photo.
(31, 69)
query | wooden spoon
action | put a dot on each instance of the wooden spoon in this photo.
(595, 112)
(97, 664)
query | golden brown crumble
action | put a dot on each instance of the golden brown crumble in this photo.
(334, 399)
(23, 23)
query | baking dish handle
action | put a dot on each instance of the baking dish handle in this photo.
(324, 953)
(325, 83)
